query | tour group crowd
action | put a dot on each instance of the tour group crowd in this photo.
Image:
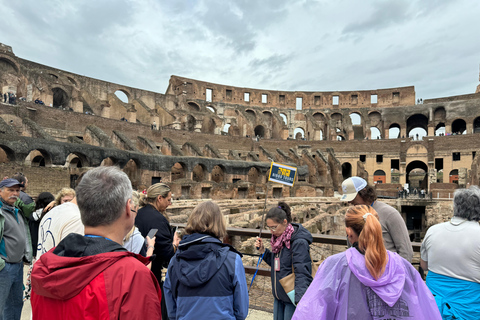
(98, 252)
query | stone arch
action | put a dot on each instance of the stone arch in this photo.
(199, 173)
(319, 117)
(6, 154)
(178, 171)
(38, 158)
(211, 109)
(234, 131)
(299, 133)
(60, 98)
(379, 176)
(132, 169)
(284, 118)
(375, 119)
(453, 176)
(340, 137)
(476, 125)
(459, 126)
(417, 121)
(7, 64)
(76, 160)
(72, 80)
(440, 129)
(226, 127)
(254, 175)
(259, 131)
(394, 131)
(190, 122)
(209, 126)
(218, 173)
(375, 133)
(108, 161)
(251, 114)
(421, 180)
(123, 95)
(356, 118)
(346, 170)
(193, 106)
(439, 115)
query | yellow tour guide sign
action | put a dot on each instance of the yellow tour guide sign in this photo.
(283, 174)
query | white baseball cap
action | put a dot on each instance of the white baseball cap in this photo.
(351, 186)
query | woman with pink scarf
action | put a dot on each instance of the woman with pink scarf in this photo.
(290, 253)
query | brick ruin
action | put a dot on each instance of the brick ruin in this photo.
(217, 141)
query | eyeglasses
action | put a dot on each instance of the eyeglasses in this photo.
(273, 228)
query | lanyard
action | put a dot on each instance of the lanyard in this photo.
(94, 236)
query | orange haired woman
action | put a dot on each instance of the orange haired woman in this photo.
(366, 281)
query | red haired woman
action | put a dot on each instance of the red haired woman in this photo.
(366, 281)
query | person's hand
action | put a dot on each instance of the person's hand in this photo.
(176, 239)
(259, 245)
(150, 241)
(49, 206)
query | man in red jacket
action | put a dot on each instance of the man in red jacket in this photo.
(93, 276)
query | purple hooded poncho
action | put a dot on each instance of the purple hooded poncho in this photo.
(344, 289)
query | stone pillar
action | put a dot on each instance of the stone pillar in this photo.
(132, 115)
(462, 177)
(448, 129)
(77, 106)
(469, 128)
(431, 131)
(432, 177)
(105, 110)
(198, 127)
(47, 99)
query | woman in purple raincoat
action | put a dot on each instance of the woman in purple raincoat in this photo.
(366, 281)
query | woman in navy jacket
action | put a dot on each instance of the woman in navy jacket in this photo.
(206, 278)
(290, 247)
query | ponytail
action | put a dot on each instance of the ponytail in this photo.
(280, 212)
(364, 222)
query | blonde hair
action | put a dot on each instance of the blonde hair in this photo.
(206, 218)
(62, 193)
(129, 234)
(155, 190)
(364, 222)
(135, 198)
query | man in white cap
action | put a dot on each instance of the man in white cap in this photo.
(356, 191)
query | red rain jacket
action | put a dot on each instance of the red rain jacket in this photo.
(108, 285)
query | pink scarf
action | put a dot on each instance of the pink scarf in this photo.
(277, 242)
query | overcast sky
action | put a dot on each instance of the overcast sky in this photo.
(266, 44)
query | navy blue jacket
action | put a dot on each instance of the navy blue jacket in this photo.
(206, 279)
(299, 256)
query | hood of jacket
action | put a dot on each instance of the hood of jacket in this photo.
(301, 233)
(199, 257)
(390, 285)
(66, 270)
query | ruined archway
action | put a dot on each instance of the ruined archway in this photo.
(209, 126)
(193, 106)
(379, 176)
(199, 172)
(375, 133)
(123, 95)
(259, 131)
(76, 160)
(394, 131)
(416, 173)
(60, 98)
(346, 170)
(6, 154)
(453, 176)
(178, 171)
(218, 174)
(440, 129)
(459, 126)
(38, 158)
(190, 123)
(254, 175)
(476, 125)
(133, 172)
(109, 161)
(417, 124)
(284, 118)
(299, 133)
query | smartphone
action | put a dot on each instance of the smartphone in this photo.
(152, 233)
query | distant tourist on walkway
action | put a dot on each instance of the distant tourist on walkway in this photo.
(206, 278)
(93, 276)
(451, 254)
(366, 281)
(290, 249)
(356, 191)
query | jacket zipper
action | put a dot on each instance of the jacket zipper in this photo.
(277, 255)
